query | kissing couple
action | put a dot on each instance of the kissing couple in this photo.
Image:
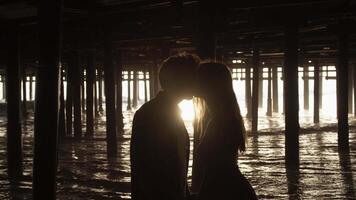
(159, 149)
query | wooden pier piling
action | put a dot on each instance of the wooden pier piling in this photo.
(291, 95)
(47, 96)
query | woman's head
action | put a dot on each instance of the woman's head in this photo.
(213, 80)
(214, 85)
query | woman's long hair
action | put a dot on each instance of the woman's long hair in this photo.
(215, 83)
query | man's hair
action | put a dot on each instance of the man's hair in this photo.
(176, 69)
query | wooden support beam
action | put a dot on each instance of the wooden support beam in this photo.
(82, 85)
(151, 83)
(24, 92)
(13, 100)
(119, 114)
(135, 89)
(61, 123)
(90, 77)
(306, 87)
(269, 93)
(283, 100)
(248, 91)
(109, 86)
(316, 91)
(30, 87)
(206, 33)
(129, 91)
(321, 87)
(260, 87)
(291, 95)
(275, 89)
(350, 88)
(76, 85)
(342, 88)
(145, 84)
(96, 110)
(4, 86)
(69, 101)
(47, 96)
(100, 90)
(255, 89)
(156, 80)
(354, 84)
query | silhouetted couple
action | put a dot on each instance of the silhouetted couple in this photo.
(160, 142)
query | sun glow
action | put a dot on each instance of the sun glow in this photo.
(187, 108)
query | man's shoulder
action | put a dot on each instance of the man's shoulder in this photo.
(150, 109)
(147, 108)
(157, 105)
(148, 119)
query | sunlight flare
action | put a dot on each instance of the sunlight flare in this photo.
(187, 108)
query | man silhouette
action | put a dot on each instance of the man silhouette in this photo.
(159, 148)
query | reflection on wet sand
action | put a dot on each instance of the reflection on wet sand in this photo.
(293, 183)
(347, 173)
(85, 173)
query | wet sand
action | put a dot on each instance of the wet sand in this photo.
(85, 173)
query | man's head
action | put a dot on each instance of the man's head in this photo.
(177, 75)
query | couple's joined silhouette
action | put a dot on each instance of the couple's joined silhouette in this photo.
(159, 148)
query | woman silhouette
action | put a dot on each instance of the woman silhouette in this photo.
(222, 138)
